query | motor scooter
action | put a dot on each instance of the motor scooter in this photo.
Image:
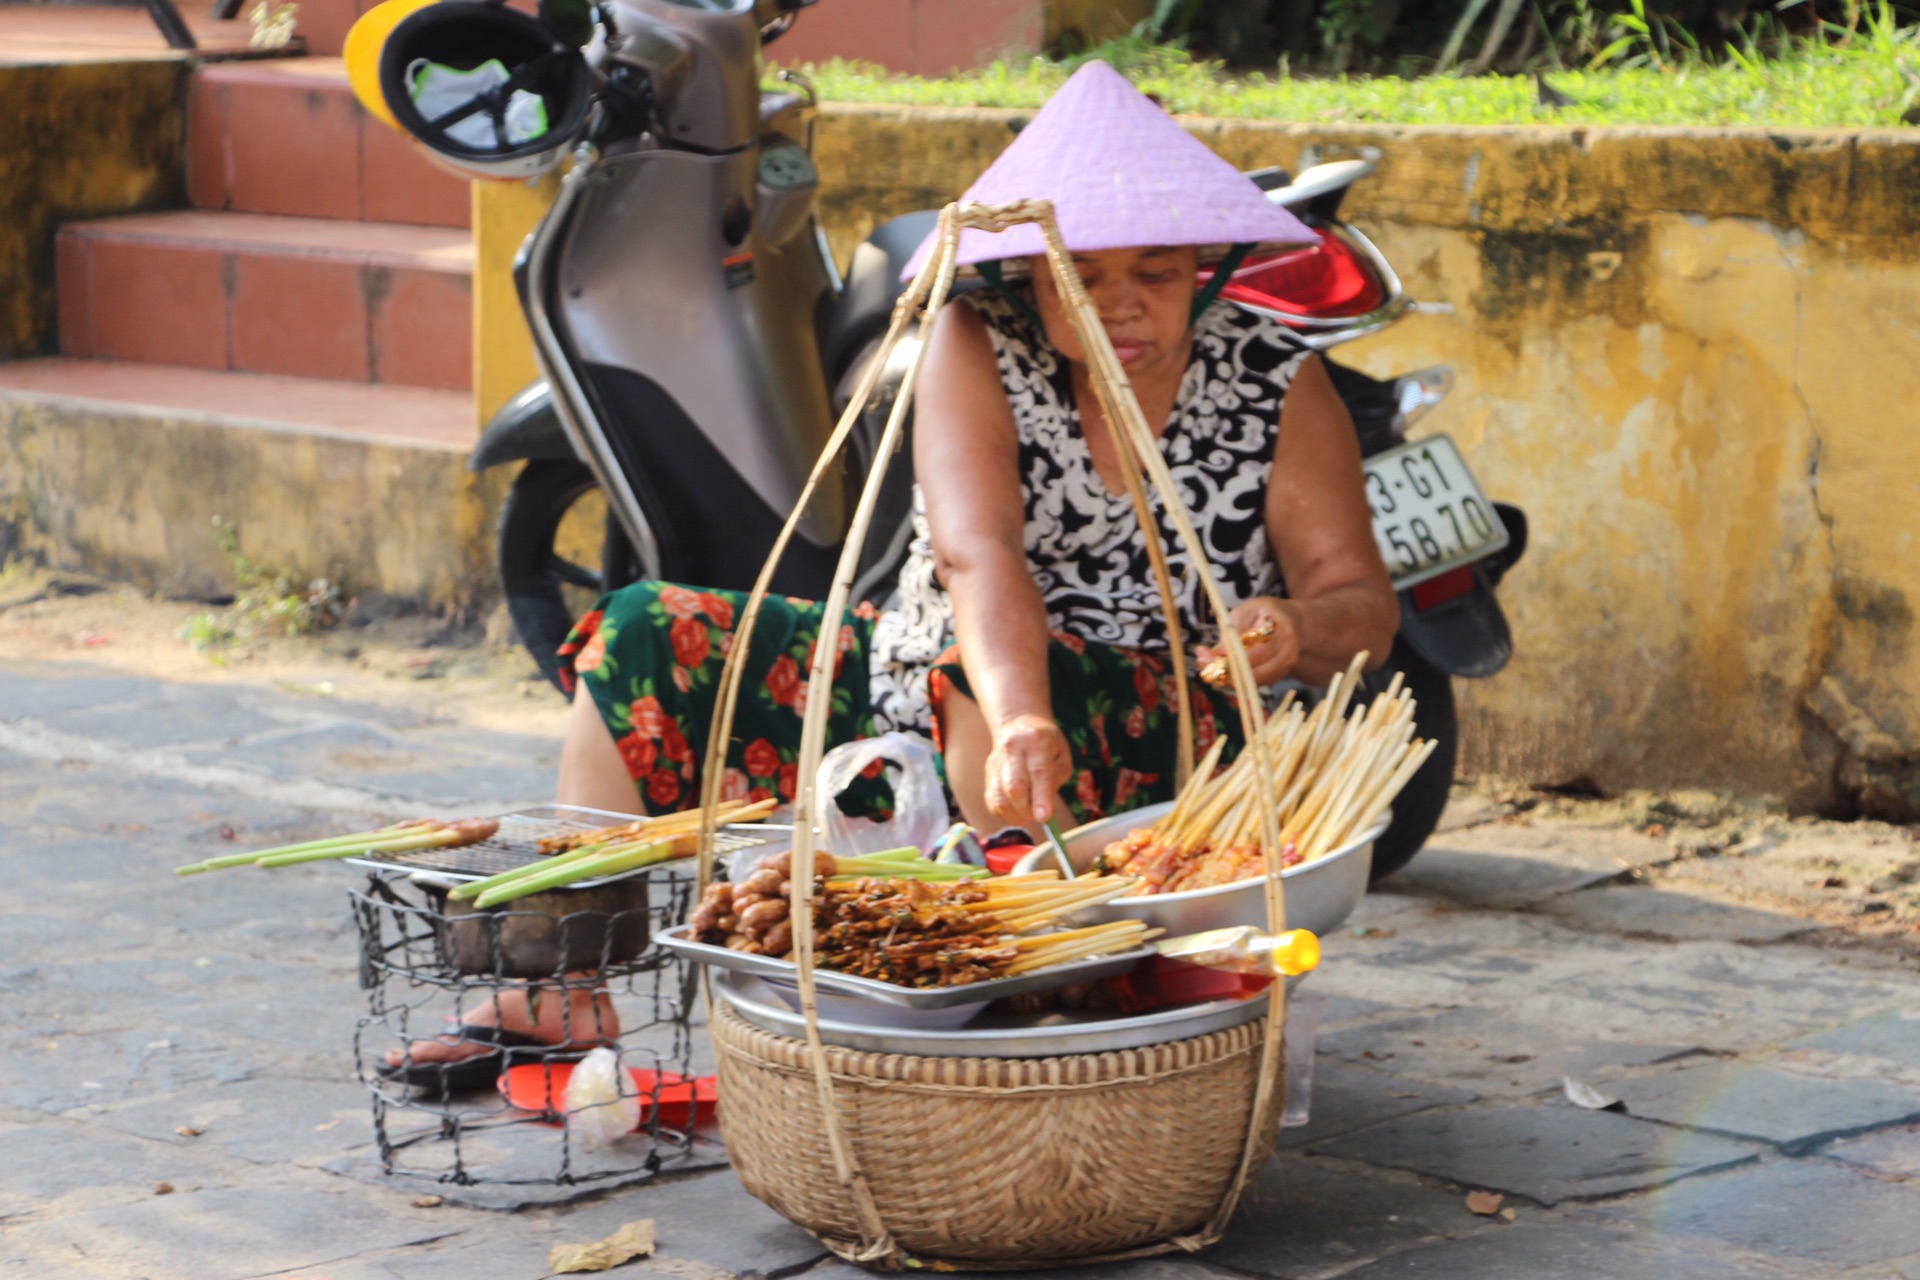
(697, 340)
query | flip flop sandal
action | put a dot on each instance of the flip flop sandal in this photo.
(480, 1070)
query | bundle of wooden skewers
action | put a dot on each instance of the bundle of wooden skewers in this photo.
(1335, 776)
(917, 933)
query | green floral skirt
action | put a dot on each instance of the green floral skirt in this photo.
(651, 655)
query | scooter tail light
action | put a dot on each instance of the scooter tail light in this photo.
(1329, 280)
(1450, 585)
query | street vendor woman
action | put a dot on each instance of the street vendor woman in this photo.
(1027, 637)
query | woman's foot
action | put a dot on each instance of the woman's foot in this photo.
(579, 1018)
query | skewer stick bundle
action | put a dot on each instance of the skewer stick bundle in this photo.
(1335, 769)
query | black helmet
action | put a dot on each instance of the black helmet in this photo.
(464, 36)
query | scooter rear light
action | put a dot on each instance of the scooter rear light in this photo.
(1329, 279)
(1448, 586)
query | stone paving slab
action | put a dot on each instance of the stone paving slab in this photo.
(1479, 1049)
(1562, 1252)
(1169, 1267)
(214, 1234)
(1640, 911)
(1894, 1036)
(182, 715)
(1817, 1212)
(1486, 878)
(1894, 1152)
(1547, 1153)
(1304, 1217)
(1346, 1098)
(260, 1119)
(1748, 1100)
(706, 1227)
(47, 1162)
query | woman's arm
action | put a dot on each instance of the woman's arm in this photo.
(966, 459)
(1339, 597)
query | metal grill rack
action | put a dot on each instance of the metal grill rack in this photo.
(423, 963)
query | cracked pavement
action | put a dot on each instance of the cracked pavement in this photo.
(178, 1097)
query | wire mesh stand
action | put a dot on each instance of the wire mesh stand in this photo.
(423, 964)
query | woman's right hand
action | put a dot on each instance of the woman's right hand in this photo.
(1029, 763)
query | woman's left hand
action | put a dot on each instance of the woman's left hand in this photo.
(1275, 657)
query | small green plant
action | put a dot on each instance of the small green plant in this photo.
(265, 602)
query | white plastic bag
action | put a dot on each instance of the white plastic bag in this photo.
(437, 90)
(919, 805)
(602, 1104)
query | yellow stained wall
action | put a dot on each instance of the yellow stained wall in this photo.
(1693, 356)
(503, 214)
(82, 140)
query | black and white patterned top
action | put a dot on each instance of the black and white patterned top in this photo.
(1083, 542)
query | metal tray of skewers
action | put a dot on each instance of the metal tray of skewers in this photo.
(975, 994)
(993, 1035)
(517, 844)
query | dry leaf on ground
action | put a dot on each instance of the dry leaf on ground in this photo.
(1484, 1203)
(635, 1240)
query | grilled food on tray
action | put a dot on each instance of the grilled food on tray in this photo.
(913, 932)
(1332, 776)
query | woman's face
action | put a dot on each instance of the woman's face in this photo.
(1144, 297)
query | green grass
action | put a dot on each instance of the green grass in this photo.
(1872, 80)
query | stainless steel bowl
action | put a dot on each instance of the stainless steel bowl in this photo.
(1320, 894)
(546, 934)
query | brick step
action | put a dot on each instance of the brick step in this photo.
(325, 23)
(413, 416)
(249, 293)
(287, 136)
(119, 469)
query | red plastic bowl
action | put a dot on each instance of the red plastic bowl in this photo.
(541, 1087)
(1001, 861)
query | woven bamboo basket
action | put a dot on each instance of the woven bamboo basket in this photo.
(997, 1161)
(892, 1161)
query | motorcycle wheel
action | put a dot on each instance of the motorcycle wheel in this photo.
(1417, 809)
(559, 551)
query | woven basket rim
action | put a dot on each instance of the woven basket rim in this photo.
(1063, 1073)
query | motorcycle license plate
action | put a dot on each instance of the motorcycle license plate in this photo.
(1429, 515)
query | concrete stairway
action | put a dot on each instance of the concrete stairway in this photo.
(319, 289)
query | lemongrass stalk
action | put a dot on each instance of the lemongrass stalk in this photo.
(474, 888)
(681, 843)
(559, 877)
(358, 838)
(437, 840)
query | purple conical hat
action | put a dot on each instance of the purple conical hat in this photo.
(1120, 172)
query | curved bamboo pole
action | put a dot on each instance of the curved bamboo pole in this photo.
(1169, 605)
(1140, 454)
(1123, 410)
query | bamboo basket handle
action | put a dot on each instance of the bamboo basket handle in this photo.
(734, 668)
(1124, 413)
(1184, 743)
(1140, 450)
(876, 1246)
